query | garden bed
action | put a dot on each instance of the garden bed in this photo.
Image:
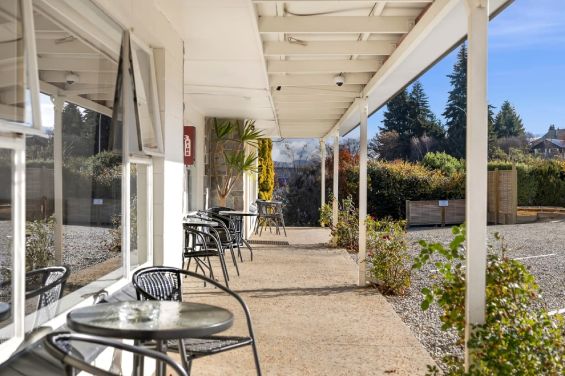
(539, 246)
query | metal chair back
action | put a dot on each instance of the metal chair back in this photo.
(62, 345)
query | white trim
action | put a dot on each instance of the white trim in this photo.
(363, 119)
(126, 100)
(335, 203)
(30, 54)
(16, 144)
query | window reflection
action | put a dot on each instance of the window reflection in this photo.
(6, 233)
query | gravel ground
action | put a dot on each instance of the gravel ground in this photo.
(85, 246)
(525, 240)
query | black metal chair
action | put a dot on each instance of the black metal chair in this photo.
(200, 246)
(165, 283)
(221, 230)
(47, 285)
(269, 213)
(231, 226)
(61, 346)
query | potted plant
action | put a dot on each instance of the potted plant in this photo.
(229, 149)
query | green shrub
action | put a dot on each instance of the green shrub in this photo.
(517, 338)
(39, 243)
(443, 162)
(392, 183)
(266, 169)
(388, 256)
(326, 214)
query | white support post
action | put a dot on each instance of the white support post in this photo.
(335, 202)
(128, 120)
(364, 113)
(476, 183)
(58, 103)
(19, 238)
(323, 165)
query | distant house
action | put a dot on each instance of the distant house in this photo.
(551, 144)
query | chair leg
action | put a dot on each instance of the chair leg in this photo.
(282, 223)
(210, 267)
(186, 364)
(256, 358)
(239, 253)
(224, 268)
(234, 259)
(249, 247)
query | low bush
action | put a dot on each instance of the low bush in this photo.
(387, 250)
(443, 162)
(40, 246)
(518, 337)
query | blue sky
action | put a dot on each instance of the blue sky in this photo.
(526, 66)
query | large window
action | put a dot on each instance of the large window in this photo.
(86, 202)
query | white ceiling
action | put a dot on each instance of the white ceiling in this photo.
(275, 61)
(224, 69)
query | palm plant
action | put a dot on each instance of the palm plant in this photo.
(235, 158)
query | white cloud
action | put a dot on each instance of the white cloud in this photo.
(529, 22)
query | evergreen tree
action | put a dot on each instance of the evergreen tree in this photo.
(423, 120)
(78, 134)
(397, 119)
(507, 122)
(455, 110)
(266, 169)
(491, 133)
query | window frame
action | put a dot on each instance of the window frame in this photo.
(31, 74)
(12, 136)
(16, 144)
(156, 125)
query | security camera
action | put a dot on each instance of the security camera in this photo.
(72, 78)
(339, 80)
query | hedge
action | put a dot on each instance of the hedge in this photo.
(390, 184)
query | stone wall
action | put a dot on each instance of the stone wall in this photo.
(235, 198)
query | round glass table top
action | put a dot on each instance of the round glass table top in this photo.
(158, 320)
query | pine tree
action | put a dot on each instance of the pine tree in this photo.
(491, 133)
(456, 108)
(423, 120)
(507, 122)
(397, 119)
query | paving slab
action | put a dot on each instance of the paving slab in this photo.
(309, 316)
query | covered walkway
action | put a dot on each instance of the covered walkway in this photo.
(310, 317)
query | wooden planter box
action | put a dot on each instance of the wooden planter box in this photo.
(432, 212)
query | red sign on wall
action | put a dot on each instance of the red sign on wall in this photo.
(188, 141)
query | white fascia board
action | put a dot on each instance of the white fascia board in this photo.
(439, 30)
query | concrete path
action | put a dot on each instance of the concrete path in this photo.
(310, 318)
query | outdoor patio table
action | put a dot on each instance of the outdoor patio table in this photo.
(150, 320)
(199, 222)
(4, 311)
(239, 223)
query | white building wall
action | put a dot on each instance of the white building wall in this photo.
(145, 20)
